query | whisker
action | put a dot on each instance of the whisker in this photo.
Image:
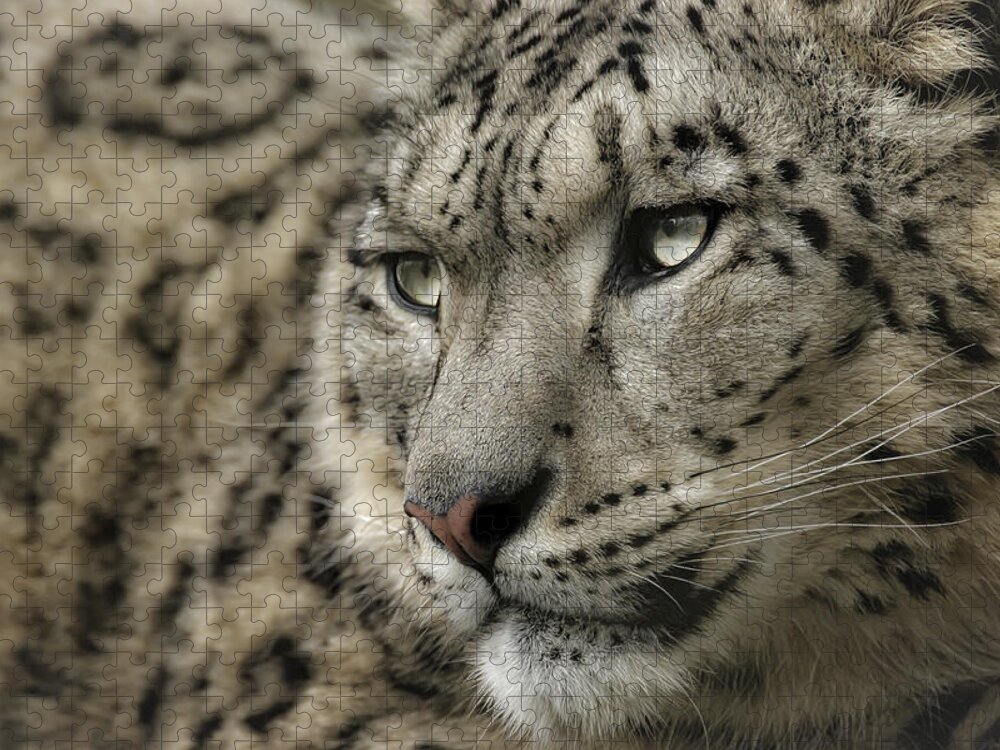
(827, 433)
(916, 534)
(655, 585)
(757, 536)
(788, 451)
(896, 432)
(870, 480)
(808, 481)
(696, 584)
(901, 383)
(919, 454)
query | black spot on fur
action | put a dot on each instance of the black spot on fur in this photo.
(174, 599)
(610, 549)
(919, 583)
(206, 730)
(849, 342)
(881, 453)
(612, 499)
(733, 140)
(686, 138)
(885, 297)
(789, 171)
(783, 261)
(797, 345)
(915, 237)
(863, 201)
(741, 259)
(782, 380)
(989, 141)
(729, 389)
(869, 604)
(152, 697)
(930, 502)
(724, 446)
(688, 606)
(855, 268)
(225, 559)
(563, 429)
(695, 19)
(980, 447)
(259, 721)
(815, 227)
(640, 540)
(968, 346)
(887, 554)
(579, 557)
(972, 294)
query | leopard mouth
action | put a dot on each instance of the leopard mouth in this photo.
(672, 603)
(668, 603)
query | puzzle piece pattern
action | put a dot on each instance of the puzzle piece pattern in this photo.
(172, 176)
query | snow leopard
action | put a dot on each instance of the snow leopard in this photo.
(504, 373)
(667, 343)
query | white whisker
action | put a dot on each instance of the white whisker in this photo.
(892, 432)
(655, 585)
(870, 480)
(752, 537)
(853, 414)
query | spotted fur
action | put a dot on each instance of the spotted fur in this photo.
(168, 179)
(767, 510)
(211, 410)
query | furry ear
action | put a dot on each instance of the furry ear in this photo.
(920, 43)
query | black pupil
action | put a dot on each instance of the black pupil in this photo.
(669, 227)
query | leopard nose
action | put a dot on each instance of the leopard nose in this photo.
(476, 526)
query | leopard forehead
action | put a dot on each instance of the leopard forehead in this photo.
(557, 107)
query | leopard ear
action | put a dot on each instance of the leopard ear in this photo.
(920, 43)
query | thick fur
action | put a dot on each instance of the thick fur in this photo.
(211, 409)
(167, 178)
(770, 479)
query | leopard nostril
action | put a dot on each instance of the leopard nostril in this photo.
(477, 525)
(492, 524)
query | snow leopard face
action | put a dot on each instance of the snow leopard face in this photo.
(663, 364)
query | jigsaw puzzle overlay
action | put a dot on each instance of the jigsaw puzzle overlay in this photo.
(528, 373)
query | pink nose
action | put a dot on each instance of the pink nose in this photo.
(472, 529)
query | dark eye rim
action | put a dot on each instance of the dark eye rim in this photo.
(640, 231)
(398, 294)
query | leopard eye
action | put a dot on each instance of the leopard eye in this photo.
(677, 238)
(663, 241)
(415, 282)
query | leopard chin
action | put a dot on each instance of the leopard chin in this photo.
(541, 672)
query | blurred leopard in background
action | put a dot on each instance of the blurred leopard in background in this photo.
(520, 375)
(169, 179)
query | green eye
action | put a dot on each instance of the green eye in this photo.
(677, 238)
(415, 282)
